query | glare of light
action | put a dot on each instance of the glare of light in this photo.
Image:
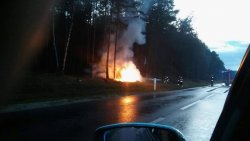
(127, 100)
(128, 73)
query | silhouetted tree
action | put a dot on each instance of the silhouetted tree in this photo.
(82, 29)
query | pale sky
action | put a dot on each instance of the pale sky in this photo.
(224, 25)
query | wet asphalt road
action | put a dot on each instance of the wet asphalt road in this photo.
(193, 111)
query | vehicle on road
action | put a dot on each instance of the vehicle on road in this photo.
(228, 76)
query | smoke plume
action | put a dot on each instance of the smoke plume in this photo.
(124, 51)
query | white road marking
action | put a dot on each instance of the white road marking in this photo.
(185, 107)
(209, 96)
(212, 89)
(158, 120)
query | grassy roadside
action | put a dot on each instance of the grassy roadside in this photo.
(44, 87)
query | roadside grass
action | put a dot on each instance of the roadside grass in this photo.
(45, 87)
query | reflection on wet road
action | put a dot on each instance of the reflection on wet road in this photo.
(127, 109)
(193, 111)
(197, 121)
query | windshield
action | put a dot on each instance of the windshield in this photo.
(70, 66)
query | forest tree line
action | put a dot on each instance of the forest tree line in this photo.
(80, 31)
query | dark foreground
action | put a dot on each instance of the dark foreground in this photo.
(193, 111)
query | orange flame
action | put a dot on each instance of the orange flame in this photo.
(128, 73)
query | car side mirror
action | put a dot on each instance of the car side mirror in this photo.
(138, 132)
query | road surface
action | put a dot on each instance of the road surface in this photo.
(193, 111)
